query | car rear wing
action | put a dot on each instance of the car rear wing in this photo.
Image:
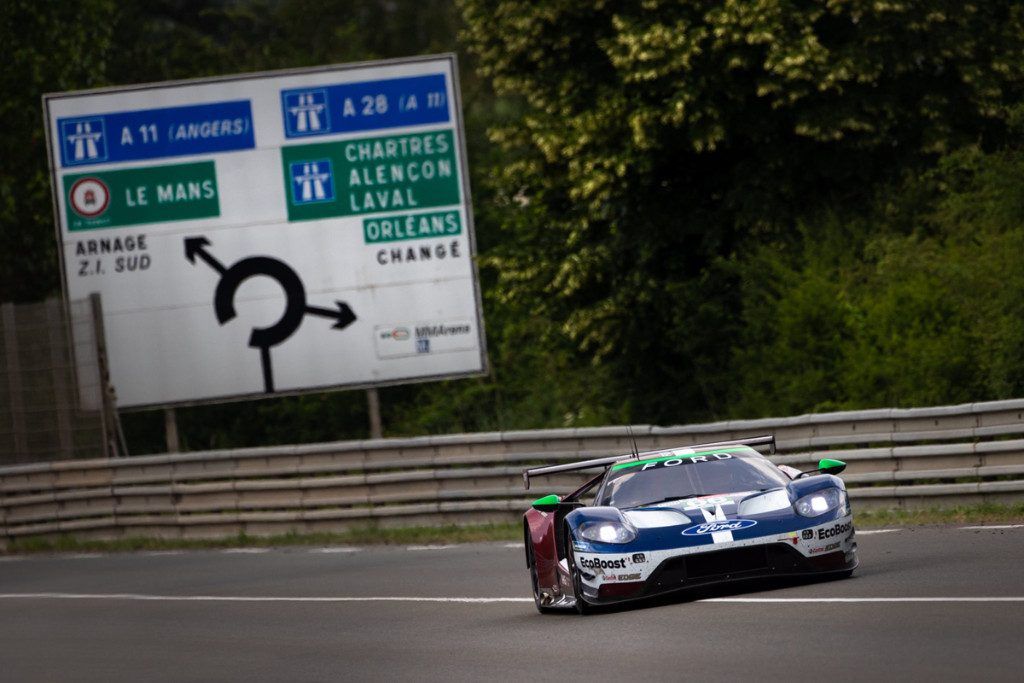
(601, 462)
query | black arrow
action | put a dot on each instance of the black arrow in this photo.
(194, 247)
(344, 315)
(295, 299)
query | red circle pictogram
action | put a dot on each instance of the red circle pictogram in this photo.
(89, 197)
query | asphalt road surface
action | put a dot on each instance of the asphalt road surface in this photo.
(927, 603)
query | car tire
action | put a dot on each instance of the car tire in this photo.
(582, 606)
(534, 579)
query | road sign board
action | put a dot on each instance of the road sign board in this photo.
(276, 233)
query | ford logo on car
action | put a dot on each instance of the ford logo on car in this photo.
(715, 527)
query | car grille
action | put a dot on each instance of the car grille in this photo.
(727, 562)
(724, 564)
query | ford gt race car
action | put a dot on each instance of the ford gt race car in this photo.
(677, 518)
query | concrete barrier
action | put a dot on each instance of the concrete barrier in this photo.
(897, 458)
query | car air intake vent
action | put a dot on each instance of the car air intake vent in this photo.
(733, 561)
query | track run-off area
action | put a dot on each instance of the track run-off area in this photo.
(946, 603)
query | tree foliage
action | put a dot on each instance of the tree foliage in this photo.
(48, 47)
(883, 316)
(662, 139)
(685, 210)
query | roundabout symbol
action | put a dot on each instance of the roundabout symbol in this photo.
(296, 308)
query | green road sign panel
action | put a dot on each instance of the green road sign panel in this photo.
(411, 226)
(155, 194)
(371, 175)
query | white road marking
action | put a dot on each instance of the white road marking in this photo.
(339, 549)
(245, 551)
(245, 598)
(428, 547)
(876, 531)
(517, 546)
(995, 526)
(11, 558)
(163, 553)
(339, 599)
(819, 600)
(83, 556)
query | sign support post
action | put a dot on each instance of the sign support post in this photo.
(373, 404)
(171, 430)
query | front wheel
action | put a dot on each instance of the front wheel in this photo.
(535, 580)
(582, 606)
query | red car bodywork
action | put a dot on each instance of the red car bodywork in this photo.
(539, 528)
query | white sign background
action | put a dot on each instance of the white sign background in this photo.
(165, 345)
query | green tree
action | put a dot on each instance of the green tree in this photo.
(49, 47)
(663, 139)
(860, 317)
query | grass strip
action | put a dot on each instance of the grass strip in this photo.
(356, 536)
(984, 513)
(987, 513)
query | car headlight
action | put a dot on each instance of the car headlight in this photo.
(818, 503)
(607, 531)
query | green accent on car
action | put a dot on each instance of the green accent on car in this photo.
(624, 465)
(551, 499)
(829, 463)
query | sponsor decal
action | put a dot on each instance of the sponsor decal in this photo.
(708, 502)
(719, 526)
(410, 339)
(684, 460)
(701, 456)
(836, 530)
(398, 334)
(441, 330)
(792, 537)
(598, 563)
(639, 558)
(825, 549)
(807, 534)
(629, 577)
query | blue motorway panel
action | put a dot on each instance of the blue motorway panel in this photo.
(156, 133)
(369, 105)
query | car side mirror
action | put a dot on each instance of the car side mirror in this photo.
(826, 466)
(548, 503)
(830, 466)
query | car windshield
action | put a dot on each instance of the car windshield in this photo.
(683, 474)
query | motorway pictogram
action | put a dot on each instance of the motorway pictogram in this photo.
(296, 308)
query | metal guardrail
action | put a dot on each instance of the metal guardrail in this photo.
(920, 457)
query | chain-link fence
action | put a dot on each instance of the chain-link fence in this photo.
(51, 382)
